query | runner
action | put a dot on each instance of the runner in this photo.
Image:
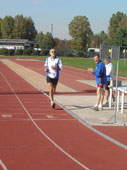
(52, 66)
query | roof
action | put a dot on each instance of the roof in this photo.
(13, 41)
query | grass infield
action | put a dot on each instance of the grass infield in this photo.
(82, 63)
(85, 63)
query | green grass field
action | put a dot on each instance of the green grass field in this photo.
(85, 63)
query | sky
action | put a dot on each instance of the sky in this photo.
(60, 13)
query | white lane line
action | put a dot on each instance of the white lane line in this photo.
(6, 115)
(42, 132)
(3, 165)
(17, 119)
(112, 140)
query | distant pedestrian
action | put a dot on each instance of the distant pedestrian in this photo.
(52, 66)
(100, 75)
(109, 78)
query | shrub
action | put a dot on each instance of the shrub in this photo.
(19, 52)
(3, 51)
(69, 54)
(45, 52)
(28, 51)
(60, 52)
(11, 52)
(80, 54)
(35, 53)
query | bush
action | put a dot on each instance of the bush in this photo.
(3, 51)
(11, 52)
(80, 54)
(45, 52)
(35, 53)
(28, 51)
(19, 52)
(69, 54)
(60, 52)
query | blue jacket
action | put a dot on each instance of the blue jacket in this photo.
(100, 73)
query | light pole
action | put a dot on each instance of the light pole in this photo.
(52, 30)
(51, 35)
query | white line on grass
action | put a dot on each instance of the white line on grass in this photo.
(42, 132)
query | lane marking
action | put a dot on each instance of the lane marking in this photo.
(18, 119)
(42, 132)
(50, 116)
(6, 115)
(44, 114)
(112, 140)
(3, 165)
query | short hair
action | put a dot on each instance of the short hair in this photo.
(97, 55)
(107, 58)
(51, 49)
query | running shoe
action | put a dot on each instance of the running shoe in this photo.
(100, 108)
(106, 104)
(53, 104)
(95, 108)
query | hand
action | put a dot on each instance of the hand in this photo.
(90, 69)
(53, 67)
(45, 69)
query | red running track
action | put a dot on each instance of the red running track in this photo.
(69, 77)
(68, 73)
(34, 137)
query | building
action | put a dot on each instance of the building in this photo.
(97, 50)
(16, 43)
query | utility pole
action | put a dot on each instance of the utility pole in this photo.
(51, 35)
(52, 30)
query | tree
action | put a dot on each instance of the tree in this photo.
(29, 29)
(103, 38)
(0, 28)
(62, 44)
(7, 27)
(48, 41)
(121, 37)
(77, 44)
(123, 23)
(95, 41)
(39, 38)
(114, 25)
(19, 27)
(80, 30)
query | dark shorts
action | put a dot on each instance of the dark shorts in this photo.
(53, 81)
(107, 85)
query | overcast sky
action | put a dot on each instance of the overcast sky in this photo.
(61, 12)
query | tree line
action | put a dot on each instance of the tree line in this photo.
(83, 36)
(18, 27)
(21, 27)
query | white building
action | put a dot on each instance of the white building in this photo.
(14, 43)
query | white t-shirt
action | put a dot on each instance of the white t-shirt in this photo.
(109, 70)
(53, 73)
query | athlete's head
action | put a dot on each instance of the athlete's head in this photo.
(52, 52)
(107, 60)
(97, 58)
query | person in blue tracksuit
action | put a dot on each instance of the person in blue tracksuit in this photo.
(100, 75)
(52, 66)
